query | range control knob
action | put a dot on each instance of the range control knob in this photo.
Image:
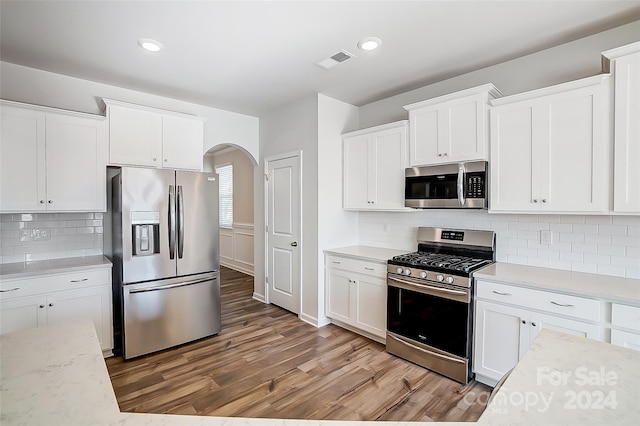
(399, 270)
(407, 271)
(440, 277)
(450, 280)
(423, 274)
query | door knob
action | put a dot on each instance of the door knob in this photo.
(294, 244)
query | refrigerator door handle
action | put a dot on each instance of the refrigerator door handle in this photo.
(172, 222)
(180, 207)
(169, 286)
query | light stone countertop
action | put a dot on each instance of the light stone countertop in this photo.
(43, 267)
(615, 289)
(374, 254)
(569, 380)
(55, 375)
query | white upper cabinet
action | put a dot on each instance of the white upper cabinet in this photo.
(450, 128)
(51, 160)
(149, 137)
(374, 162)
(624, 64)
(551, 149)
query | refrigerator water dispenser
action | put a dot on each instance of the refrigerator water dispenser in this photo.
(145, 233)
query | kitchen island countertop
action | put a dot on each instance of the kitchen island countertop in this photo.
(55, 375)
(569, 380)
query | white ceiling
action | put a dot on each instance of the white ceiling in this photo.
(252, 56)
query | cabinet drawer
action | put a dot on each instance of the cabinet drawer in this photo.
(561, 304)
(625, 339)
(625, 316)
(10, 289)
(357, 266)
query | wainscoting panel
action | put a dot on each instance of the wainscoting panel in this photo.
(236, 247)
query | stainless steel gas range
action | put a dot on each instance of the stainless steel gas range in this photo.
(430, 294)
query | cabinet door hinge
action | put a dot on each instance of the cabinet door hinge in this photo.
(266, 177)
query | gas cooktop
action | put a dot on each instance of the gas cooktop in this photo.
(442, 262)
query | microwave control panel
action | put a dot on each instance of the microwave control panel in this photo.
(475, 185)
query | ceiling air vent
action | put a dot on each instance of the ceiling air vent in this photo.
(334, 60)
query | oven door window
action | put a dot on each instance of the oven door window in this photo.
(435, 321)
(433, 187)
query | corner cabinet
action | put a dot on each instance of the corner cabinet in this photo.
(624, 64)
(508, 318)
(551, 149)
(150, 137)
(373, 167)
(451, 128)
(51, 160)
(357, 295)
(50, 298)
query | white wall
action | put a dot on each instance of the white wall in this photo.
(336, 227)
(284, 130)
(570, 61)
(29, 85)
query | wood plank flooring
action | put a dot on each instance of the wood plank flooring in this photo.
(267, 363)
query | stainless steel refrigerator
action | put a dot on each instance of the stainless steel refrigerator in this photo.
(166, 258)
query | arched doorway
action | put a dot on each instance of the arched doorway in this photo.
(236, 169)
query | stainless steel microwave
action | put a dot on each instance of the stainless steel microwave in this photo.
(447, 186)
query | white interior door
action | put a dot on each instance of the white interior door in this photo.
(283, 233)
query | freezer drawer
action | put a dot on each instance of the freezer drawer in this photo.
(166, 313)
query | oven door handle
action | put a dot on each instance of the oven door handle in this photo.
(448, 358)
(428, 287)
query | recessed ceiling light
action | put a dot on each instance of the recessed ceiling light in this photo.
(150, 45)
(369, 43)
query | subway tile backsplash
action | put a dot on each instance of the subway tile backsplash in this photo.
(606, 245)
(44, 236)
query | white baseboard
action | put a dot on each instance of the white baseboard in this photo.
(259, 297)
(236, 267)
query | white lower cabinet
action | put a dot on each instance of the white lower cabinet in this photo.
(508, 318)
(48, 299)
(357, 295)
(625, 326)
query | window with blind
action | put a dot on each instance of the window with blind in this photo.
(225, 174)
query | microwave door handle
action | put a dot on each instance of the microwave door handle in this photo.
(172, 223)
(460, 187)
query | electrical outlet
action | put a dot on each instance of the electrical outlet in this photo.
(25, 235)
(546, 237)
(40, 235)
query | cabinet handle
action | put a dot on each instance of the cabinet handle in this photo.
(41, 201)
(335, 261)
(560, 304)
(535, 200)
(79, 281)
(445, 154)
(41, 306)
(524, 322)
(368, 269)
(165, 160)
(544, 200)
(502, 294)
(50, 201)
(51, 304)
(439, 155)
(10, 289)
(533, 324)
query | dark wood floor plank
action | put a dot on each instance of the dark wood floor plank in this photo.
(267, 363)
